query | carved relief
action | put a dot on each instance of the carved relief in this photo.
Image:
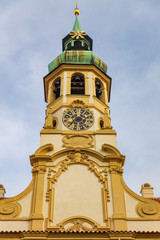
(78, 224)
(78, 104)
(39, 169)
(9, 210)
(116, 169)
(81, 141)
(148, 210)
(77, 156)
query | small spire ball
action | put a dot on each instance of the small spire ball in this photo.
(76, 11)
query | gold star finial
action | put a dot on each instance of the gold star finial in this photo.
(76, 11)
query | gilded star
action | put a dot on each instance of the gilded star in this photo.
(78, 34)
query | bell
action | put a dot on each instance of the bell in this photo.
(99, 92)
(77, 78)
(98, 85)
(57, 83)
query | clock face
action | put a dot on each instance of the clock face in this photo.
(78, 119)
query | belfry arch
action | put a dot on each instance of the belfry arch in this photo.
(78, 84)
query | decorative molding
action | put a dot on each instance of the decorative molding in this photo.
(110, 149)
(135, 219)
(91, 152)
(89, 132)
(44, 149)
(39, 169)
(78, 104)
(81, 141)
(73, 157)
(92, 235)
(10, 210)
(41, 154)
(148, 210)
(116, 169)
(76, 157)
(78, 224)
(6, 201)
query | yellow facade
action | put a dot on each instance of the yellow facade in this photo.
(77, 188)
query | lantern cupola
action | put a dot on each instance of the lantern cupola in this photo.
(77, 39)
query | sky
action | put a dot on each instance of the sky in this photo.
(126, 36)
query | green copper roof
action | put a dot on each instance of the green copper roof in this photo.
(78, 57)
(76, 25)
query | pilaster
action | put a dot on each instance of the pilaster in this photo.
(38, 171)
(119, 211)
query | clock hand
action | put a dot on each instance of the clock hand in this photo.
(70, 120)
(78, 112)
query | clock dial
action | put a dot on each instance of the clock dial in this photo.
(78, 119)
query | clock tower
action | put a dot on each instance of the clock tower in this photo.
(77, 92)
(77, 189)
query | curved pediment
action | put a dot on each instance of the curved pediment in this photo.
(44, 149)
(109, 149)
(45, 152)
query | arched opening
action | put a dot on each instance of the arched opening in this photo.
(78, 84)
(101, 123)
(57, 88)
(54, 122)
(77, 44)
(99, 89)
(69, 46)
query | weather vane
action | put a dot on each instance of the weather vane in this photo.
(76, 11)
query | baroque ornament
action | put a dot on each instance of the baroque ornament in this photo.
(148, 210)
(81, 141)
(9, 210)
(101, 172)
(39, 169)
(116, 169)
(74, 157)
(77, 34)
(78, 104)
(78, 224)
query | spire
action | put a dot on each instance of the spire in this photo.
(76, 26)
(77, 39)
